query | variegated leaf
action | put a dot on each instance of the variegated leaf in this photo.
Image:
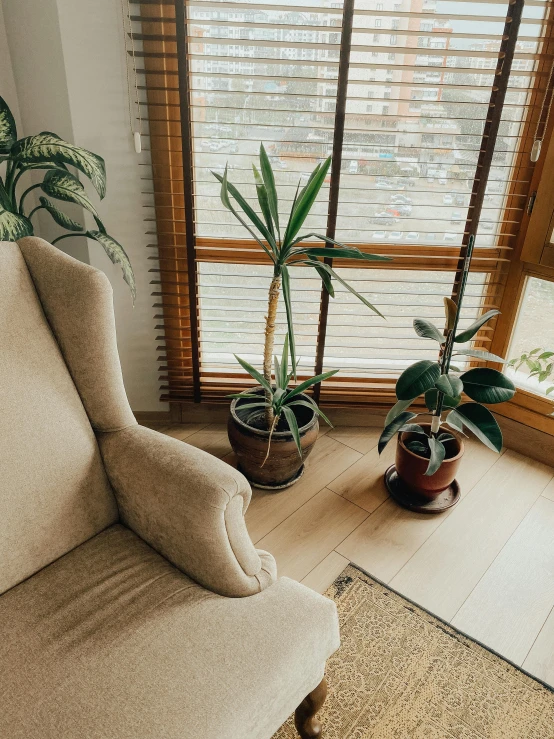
(8, 131)
(13, 226)
(65, 186)
(48, 147)
(118, 256)
(60, 217)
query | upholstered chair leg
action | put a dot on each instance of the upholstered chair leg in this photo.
(307, 725)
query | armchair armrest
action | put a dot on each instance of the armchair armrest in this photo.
(187, 505)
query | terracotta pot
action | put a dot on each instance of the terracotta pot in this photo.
(411, 467)
(283, 465)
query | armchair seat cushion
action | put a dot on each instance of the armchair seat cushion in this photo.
(112, 641)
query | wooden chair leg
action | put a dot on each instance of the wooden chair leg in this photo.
(307, 725)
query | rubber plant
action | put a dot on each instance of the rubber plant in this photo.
(284, 246)
(47, 151)
(442, 386)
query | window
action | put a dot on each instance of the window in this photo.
(268, 83)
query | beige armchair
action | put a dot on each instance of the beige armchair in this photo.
(133, 603)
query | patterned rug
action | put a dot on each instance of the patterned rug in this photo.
(404, 674)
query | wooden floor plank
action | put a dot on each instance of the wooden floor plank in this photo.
(540, 660)
(326, 572)
(361, 438)
(267, 510)
(391, 535)
(444, 571)
(509, 606)
(213, 439)
(183, 431)
(306, 537)
(363, 483)
(548, 492)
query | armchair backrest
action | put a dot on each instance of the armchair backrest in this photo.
(59, 378)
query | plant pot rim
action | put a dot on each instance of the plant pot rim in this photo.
(276, 434)
(417, 456)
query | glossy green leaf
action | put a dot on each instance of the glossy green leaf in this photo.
(421, 448)
(445, 436)
(269, 182)
(448, 401)
(397, 409)
(60, 217)
(428, 330)
(293, 426)
(117, 254)
(48, 147)
(450, 385)
(413, 428)
(455, 422)
(438, 453)
(450, 310)
(392, 428)
(417, 379)
(8, 130)
(255, 374)
(480, 421)
(487, 385)
(65, 186)
(14, 226)
(479, 354)
(470, 332)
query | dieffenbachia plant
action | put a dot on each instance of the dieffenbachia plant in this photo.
(47, 151)
(442, 386)
(284, 246)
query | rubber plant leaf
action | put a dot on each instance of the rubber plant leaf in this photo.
(480, 421)
(479, 354)
(450, 309)
(397, 409)
(392, 428)
(417, 379)
(428, 330)
(48, 147)
(450, 385)
(470, 332)
(448, 400)
(487, 385)
(438, 453)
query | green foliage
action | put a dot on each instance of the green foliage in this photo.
(540, 363)
(281, 242)
(282, 397)
(47, 151)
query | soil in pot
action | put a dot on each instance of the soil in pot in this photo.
(249, 438)
(411, 466)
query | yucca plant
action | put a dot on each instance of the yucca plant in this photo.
(284, 246)
(442, 385)
(47, 151)
(279, 396)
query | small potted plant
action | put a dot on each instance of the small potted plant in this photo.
(284, 245)
(49, 152)
(428, 454)
(540, 364)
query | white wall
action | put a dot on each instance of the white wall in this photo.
(7, 82)
(69, 67)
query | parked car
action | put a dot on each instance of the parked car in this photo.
(402, 199)
(404, 210)
(442, 180)
(386, 219)
(459, 199)
(450, 237)
(412, 236)
(396, 235)
(456, 217)
(385, 186)
(379, 235)
(487, 225)
(447, 199)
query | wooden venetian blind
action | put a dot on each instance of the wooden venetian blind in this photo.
(417, 105)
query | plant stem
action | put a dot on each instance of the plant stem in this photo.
(27, 191)
(67, 236)
(39, 207)
(273, 301)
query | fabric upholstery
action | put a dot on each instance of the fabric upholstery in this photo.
(112, 642)
(54, 493)
(77, 301)
(189, 506)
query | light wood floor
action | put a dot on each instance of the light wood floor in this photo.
(486, 566)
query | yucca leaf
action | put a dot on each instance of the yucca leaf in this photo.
(487, 385)
(397, 409)
(224, 195)
(247, 208)
(479, 354)
(313, 406)
(438, 453)
(60, 217)
(304, 203)
(343, 252)
(450, 309)
(65, 186)
(417, 379)
(285, 362)
(293, 426)
(309, 382)
(428, 330)
(392, 428)
(255, 374)
(14, 226)
(277, 372)
(450, 385)
(480, 421)
(470, 332)
(325, 276)
(117, 254)
(48, 147)
(244, 394)
(310, 178)
(345, 284)
(285, 277)
(263, 199)
(8, 130)
(269, 182)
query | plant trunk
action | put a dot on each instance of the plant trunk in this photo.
(273, 302)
